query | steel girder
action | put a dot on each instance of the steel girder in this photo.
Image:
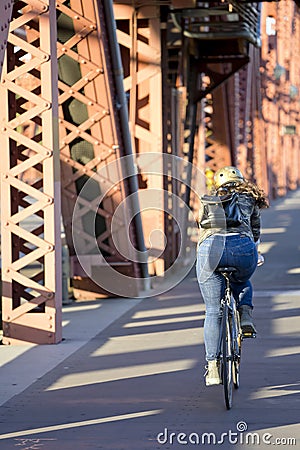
(249, 139)
(30, 213)
(280, 94)
(37, 90)
(233, 124)
(101, 238)
(139, 36)
(251, 119)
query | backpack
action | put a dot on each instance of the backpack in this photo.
(221, 211)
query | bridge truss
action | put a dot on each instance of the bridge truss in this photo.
(107, 110)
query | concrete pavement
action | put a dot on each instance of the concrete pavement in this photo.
(129, 374)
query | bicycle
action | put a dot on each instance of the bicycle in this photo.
(230, 342)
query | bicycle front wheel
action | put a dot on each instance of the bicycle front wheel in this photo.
(227, 358)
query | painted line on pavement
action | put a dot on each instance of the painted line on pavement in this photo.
(65, 426)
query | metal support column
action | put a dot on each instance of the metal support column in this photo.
(30, 208)
(99, 180)
(139, 37)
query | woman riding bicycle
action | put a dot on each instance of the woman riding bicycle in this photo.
(234, 246)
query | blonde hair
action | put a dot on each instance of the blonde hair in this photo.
(245, 187)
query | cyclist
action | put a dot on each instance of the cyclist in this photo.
(229, 246)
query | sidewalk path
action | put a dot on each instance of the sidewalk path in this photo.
(129, 375)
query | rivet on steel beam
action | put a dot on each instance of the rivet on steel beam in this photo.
(83, 61)
(8, 318)
(50, 325)
(47, 105)
(46, 57)
(86, 79)
(63, 49)
(71, 91)
(76, 17)
(49, 200)
(90, 103)
(50, 317)
(49, 153)
(6, 224)
(50, 295)
(96, 143)
(3, 129)
(67, 160)
(50, 247)
(7, 271)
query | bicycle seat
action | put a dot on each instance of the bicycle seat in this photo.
(226, 269)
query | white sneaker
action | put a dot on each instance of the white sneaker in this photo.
(212, 375)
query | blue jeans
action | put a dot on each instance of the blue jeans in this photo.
(219, 251)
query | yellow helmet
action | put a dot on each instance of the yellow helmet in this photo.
(227, 174)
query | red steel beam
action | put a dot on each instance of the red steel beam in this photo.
(30, 212)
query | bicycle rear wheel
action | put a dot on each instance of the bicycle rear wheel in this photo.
(236, 348)
(227, 358)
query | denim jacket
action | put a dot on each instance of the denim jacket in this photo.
(251, 220)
